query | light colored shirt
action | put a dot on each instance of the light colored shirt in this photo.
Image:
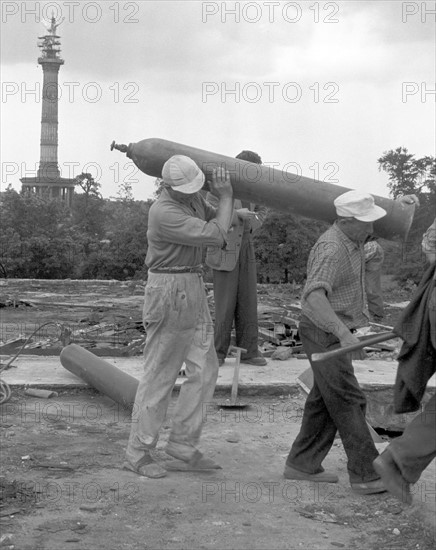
(336, 265)
(225, 259)
(179, 229)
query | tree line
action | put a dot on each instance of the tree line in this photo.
(99, 238)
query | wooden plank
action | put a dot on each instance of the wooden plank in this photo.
(285, 320)
(269, 335)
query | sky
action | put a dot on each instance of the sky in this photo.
(321, 89)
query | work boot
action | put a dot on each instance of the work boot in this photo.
(258, 361)
(189, 459)
(146, 467)
(369, 487)
(321, 476)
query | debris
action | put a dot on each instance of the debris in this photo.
(323, 516)
(396, 531)
(44, 394)
(10, 512)
(91, 507)
(269, 335)
(52, 466)
(6, 539)
(282, 353)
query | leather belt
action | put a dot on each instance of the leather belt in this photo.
(179, 269)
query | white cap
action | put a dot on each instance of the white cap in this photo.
(361, 206)
(182, 174)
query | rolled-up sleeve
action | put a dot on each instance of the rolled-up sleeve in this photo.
(179, 228)
(322, 268)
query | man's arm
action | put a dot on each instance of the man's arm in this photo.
(222, 188)
(212, 201)
(324, 316)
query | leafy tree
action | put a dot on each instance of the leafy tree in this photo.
(282, 246)
(87, 207)
(34, 235)
(125, 192)
(410, 175)
(88, 185)
(120, 254)
(159, 185)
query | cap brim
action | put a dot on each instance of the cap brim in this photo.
(191, 187)
(376, 213)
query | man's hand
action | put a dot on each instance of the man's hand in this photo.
(245, 213)
(220, 184)
(348, 340)
(409, 199)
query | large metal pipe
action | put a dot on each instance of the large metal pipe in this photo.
(271, 187)
(101, 375)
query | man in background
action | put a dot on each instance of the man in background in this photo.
(235, 280)
(374, 257)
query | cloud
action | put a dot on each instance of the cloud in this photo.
(151, 75)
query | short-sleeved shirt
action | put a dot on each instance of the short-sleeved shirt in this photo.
(336, 265)
(179, 229)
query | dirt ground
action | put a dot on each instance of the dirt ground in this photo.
(63, 486)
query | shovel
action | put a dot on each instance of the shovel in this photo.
(234, 403)
(364, 342)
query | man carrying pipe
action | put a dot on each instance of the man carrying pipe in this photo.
(177, 319)
(333, 306)
(403, 461)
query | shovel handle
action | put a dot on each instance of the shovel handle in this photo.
(235, 382)
(367, 341)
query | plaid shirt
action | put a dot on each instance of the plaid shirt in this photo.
(336, 265)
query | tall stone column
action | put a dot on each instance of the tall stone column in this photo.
(48, 180)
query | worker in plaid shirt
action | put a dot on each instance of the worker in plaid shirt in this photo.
(333, 306)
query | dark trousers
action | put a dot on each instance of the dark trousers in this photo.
(415, 449)
(374, 293)
(235, 294)
(335, 403)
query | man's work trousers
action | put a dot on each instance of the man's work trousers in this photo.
(179, 329)
(335, 403)
(374, 293)
(235, 294)
(415, 449)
